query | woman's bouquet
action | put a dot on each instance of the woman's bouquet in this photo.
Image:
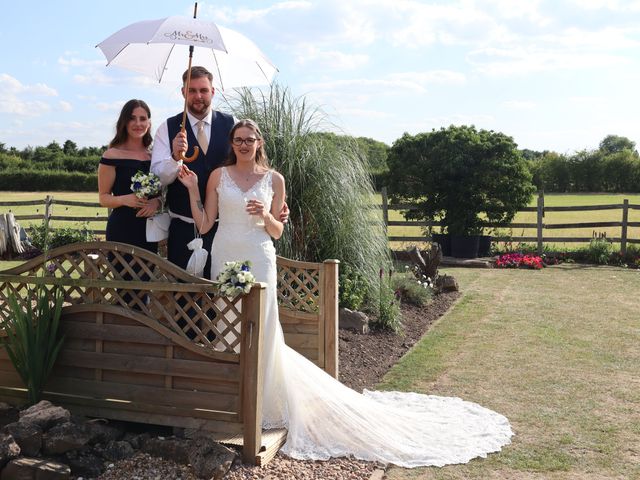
(236, 278)
(145, 184)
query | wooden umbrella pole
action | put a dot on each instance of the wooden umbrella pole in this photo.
(196, 149)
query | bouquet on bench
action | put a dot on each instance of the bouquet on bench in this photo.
(235, 278)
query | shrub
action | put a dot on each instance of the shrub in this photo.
(388, 305)
(353, 288)
(44, 238)
(47, 180)
(32, 338)
(412, 290)
(599, 251)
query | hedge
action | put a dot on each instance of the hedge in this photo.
(50, 180)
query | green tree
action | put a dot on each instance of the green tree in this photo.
(376, 153)
(615, 143)
(460, 175)
(70, 148)
(555, 173)
(586, 171)
(620, 172)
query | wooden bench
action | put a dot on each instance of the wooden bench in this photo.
(147, 342)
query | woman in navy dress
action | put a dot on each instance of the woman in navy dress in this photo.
(128, 153)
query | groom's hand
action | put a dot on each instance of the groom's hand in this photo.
(179, 145)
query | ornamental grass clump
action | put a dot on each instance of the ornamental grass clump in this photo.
(32, 339)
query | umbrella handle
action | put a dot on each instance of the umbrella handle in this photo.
(196, 149)
(185, 159)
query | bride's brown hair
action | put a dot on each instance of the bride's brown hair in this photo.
(261, 155)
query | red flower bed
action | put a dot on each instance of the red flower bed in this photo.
(517, 260)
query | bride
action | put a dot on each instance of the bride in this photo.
(323, 417)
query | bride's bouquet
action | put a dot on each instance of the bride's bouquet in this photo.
(145, 184)
(235, 278)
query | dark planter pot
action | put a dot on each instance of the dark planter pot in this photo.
(484, 246)
(444, 239)
(465, 246)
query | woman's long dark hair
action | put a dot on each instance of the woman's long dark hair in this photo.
(261, 154)
(121, 127)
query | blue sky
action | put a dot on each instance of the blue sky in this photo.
(557, 75)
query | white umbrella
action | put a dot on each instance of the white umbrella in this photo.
(159, 48)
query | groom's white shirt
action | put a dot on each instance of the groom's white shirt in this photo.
(162, 164)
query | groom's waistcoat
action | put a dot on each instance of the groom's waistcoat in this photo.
(221, 124)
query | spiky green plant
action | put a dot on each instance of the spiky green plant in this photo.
(329, 190)
(32, 338)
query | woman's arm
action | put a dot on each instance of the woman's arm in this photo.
(272, 224)
(204, 215)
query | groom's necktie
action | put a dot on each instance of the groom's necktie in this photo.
(202, 137)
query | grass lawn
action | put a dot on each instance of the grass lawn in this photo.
(558, 352)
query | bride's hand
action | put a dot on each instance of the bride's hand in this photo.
(255, 207)
(187, 177)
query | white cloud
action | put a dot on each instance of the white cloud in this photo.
(12, 93)
(519, 104)
(524, 60)
(613, 5)
(446, 77)
(306, 54)
(79, 62)
(65, 106)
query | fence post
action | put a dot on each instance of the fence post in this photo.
(48, 203)
(625, 221)
(540, 219)
(385, 210)
(331, 317)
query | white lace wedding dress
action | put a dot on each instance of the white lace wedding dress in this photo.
(324, 418)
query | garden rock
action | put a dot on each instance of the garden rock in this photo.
(210, 459)
(9, 449)
(353, 320)
(100, 431)
(118, 450)
(65, 437)
(27, 468)
(27, 435)
(84, 464)
(171, 448)
(8, 414)
(45, 415)
(446, 283)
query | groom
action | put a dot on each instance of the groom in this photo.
(207, 128)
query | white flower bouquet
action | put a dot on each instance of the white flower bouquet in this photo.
(145, 184)
(236, 278)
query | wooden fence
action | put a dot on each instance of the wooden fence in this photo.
(540, 225)
(147, 342)
(48, 210)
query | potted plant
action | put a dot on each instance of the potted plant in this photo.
(462, 177)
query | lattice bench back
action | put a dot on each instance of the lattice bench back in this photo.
(147, 342)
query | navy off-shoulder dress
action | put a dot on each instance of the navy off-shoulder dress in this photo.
(123, 225)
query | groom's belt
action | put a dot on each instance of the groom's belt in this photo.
(182, 217)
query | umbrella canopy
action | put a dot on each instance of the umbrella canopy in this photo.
(160, 49)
